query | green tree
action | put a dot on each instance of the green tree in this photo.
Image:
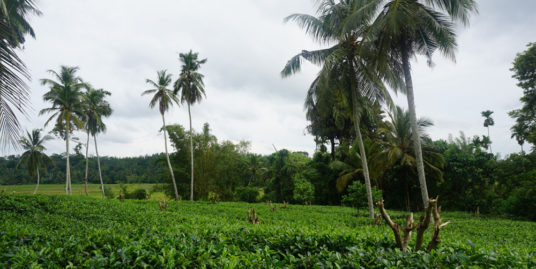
(165, 98)
(96, 108)
(524, 68)
(398, 150)
(488, 121)
(406, 28)
(34, 156)
(66, 98)
(348, 64)
(192, 89)
(14, 97)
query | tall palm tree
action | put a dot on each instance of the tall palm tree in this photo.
(14, 96)
(192, 89)
(96, 108)
(398, 147)
(66, 98)
(164, 97)
(488, 121)
(347, 64)
(34, 156)
(405, 28)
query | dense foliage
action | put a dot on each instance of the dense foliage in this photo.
(115, 234)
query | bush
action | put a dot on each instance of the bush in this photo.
(247, 194)
(357, 195)
(108, 192)
(522, 202)
(304, 191)
(213, 197)
(139, 194)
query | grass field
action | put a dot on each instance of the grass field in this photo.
(59, 231)
(77, 189)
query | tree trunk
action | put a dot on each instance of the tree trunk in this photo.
(168, 162)
(37, 186)
(98, 165)
(87, 164)
(363, 154)
(332, 142)
(68, 166)
(414, 129)
(191, 156)
(490, 151)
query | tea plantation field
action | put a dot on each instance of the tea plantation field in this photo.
(50, 231)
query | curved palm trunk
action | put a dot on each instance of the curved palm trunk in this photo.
(414, 129)
(168, 162)
(87, 164)
(37, 186)
(362, 153)
(191, 156)
(98, 164)
(68, 166)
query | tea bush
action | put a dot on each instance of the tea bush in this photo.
(61, 231)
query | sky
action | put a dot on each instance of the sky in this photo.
(119, 44)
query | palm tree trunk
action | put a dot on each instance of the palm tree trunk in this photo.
(414, 129)
(491, 151)
(87, 164)
(68, 166)
(37, 186)
(191, 156)
(362, 153)
(98, 165)
(167, 158)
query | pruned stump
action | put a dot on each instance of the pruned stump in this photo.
(163, 206)
(252, 216)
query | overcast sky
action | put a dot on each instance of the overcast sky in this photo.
(118, 44)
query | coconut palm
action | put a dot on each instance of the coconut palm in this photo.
(191, 89)
(488, 121)
(397, 144)
(164, 97)
(34, 156)
(96, 108)
(67, 108)
(406, 28)
(14, 96)
(347, 64)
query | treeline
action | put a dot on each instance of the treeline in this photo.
(143, 169)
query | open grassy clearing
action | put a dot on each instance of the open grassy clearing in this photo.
(78, 189)
(58, 230)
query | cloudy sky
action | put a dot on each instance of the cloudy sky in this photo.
(118, 44)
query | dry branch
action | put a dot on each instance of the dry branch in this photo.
(252, 216)
(163, 205)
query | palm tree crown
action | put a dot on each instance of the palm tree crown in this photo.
(163, 96)
(96, 108)
(34, 156)
(190, 83)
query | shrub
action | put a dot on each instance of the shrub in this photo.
(108, 192)
(304, 191)
(139, 194)
(247, 194)
(213, 197)
(357, 195)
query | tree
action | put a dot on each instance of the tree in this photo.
(346, 65)
(14, 96)
(524, 68)
(406, 28)
(34, 157)
(65, 95)
(96, 108)
(192, 89)
(488, 121)
(165, 98)
(397, 145)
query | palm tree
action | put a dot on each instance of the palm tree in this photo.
(488, 121)
(398, 148)
(14, 95)
(66, 98)
(192, 89)
(405, 28)
(519, 132)
(347, 64)
(164, 97)
(96, 108)
(34, 157)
